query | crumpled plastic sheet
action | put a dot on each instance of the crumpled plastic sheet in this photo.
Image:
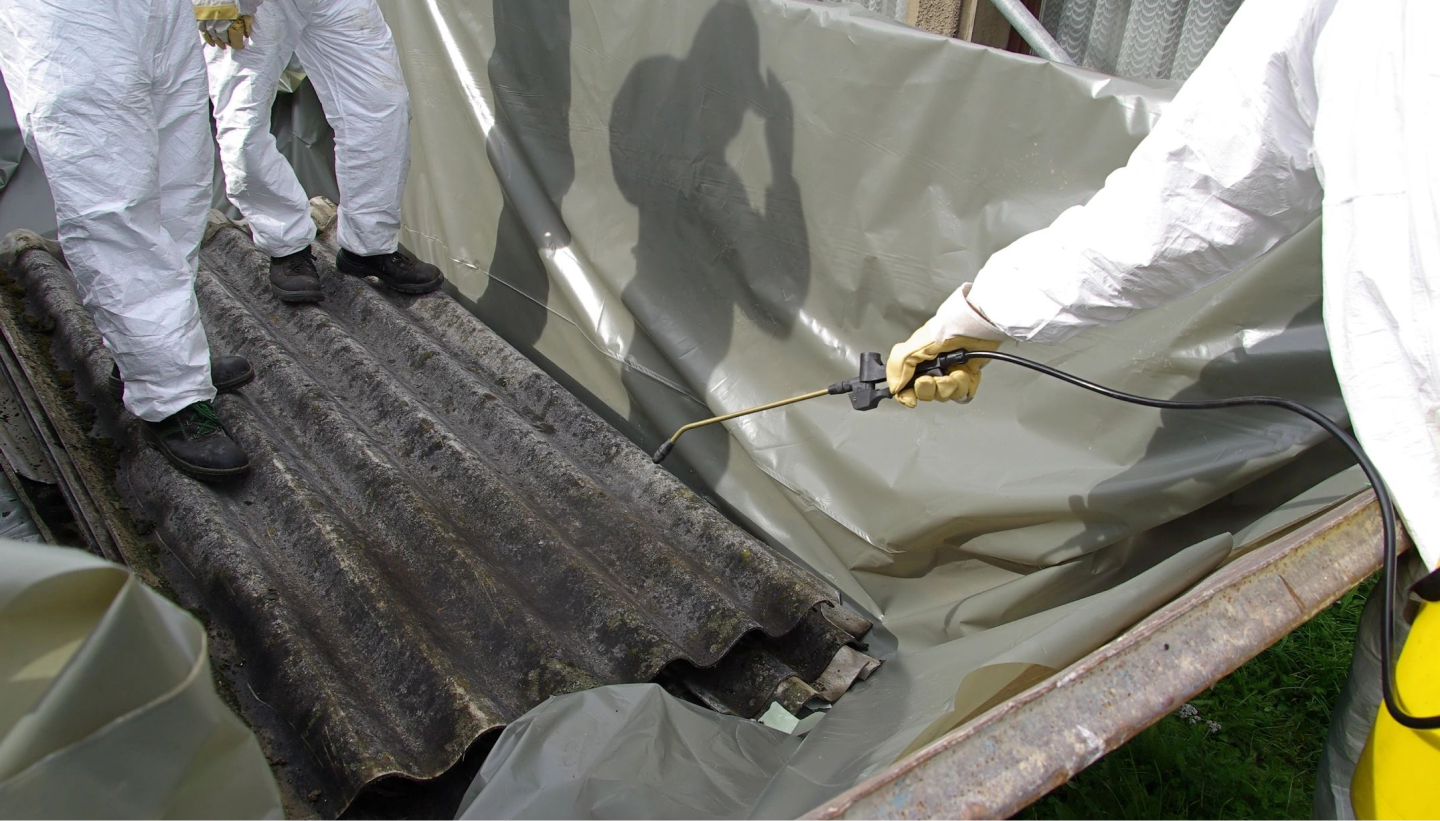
(687, 209)
(107, 704)
(24, 195)
(681, 210)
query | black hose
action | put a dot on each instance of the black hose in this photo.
(1387, 508)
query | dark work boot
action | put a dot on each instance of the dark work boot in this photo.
(227, 373)
(195, 441)
(293, 277)
(398, 270)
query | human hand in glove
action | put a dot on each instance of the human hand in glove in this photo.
(957, 324)
(958, 385)
(226, 23)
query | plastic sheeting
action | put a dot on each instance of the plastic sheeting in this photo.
(688, 209)
(107, 706)
(24, 195)
(695, 210)
(15, 521)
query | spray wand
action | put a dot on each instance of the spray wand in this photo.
(867, 389)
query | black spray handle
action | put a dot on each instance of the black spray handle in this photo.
(868, 388)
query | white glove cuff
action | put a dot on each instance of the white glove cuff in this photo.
(957, 317)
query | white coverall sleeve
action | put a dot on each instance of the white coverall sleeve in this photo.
(1227, 173)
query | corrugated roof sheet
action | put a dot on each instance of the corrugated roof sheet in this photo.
(436, 535)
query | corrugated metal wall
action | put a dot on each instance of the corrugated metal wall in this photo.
(1163, 39)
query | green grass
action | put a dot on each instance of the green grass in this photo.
(1272, 715)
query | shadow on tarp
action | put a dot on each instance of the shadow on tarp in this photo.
(700, 238)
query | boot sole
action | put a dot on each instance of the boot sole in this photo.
(297, 296)
(402, 287)
(194, 471)
(117, 386)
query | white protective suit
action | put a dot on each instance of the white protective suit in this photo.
(350, 56)
(1304, 107)
(115, 114)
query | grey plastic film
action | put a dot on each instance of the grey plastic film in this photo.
(682, 210)
(691, 212)
(107, 705)
(16, 523)
(24, 195)
(12, 145)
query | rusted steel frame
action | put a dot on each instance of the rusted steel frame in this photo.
(1023, 748)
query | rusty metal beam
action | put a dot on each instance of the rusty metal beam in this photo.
(996, 765)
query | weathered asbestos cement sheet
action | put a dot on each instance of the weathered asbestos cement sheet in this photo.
(436, 536)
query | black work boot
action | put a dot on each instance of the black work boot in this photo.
(195, 441)
(227, 373)
(397, 270)
(293, 277)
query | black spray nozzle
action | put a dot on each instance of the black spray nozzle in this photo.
(662, 452)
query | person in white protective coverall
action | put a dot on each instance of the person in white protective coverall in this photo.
(116, 118)
(349, 54)
(1303, 108)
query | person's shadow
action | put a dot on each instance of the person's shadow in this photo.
(703, 249)
(529, 71)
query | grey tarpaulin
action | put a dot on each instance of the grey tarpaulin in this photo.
(692, 211)
(687, 209)
(24, 195)
(107, 706)
(12, 146)
(684, 209)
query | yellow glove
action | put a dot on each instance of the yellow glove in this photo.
(222, 33)
(958, 385)
(226, 23)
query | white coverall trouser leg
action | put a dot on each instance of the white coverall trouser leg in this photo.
(119, 125)
(349, 54)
